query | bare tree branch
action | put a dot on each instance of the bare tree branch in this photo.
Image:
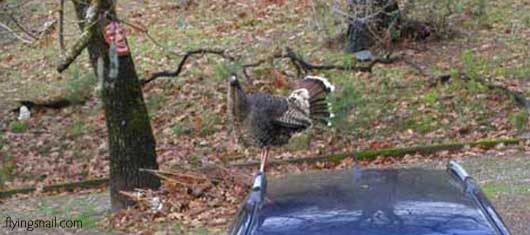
(300, 64)
(11, 31)
(61, 26)
(83, 41)
(175, 73)
(8, 7)
(306, 66)
(19, 26)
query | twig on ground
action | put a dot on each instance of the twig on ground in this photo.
(517, 96)
(177, 174)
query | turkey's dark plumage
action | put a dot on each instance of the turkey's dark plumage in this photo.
(265, 120)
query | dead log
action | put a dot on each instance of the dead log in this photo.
(87, 184)
(337, 157)
(390, 152)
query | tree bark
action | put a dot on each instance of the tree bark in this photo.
(367, 18)
(131, 141)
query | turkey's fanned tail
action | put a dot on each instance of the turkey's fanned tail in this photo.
(317, 90)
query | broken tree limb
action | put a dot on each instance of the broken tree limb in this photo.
(300, 64)
(51, 104)
(175, 73)
(306, 66)
(82, 42)
(58, 102)
(75, 50)
(517, 96)
(390, 152)
(87, 184)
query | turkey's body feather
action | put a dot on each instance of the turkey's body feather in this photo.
(265, 120)
(271, 120)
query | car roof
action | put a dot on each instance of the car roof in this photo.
(372, 202)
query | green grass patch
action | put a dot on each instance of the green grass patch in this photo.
(18, 127)
(474, 66)
(79, 87)
(182, 129)
(421, 124)
(155, 101)
(431, 97)
(7, 163)
(519, 119)
(6, 169)
(493, 188)
(300, 142)
(209, 124)
(195, 161)
(344, 103)
(77, 129)
(86, 215)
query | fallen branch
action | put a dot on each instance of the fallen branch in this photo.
(360, 155)
(87, 184)
(390, 152)
(517, 96)
(58, 103)
(306, 66)
(300, 64)
(175, 73)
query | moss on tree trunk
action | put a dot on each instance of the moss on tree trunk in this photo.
(131, 141)
(390, 152)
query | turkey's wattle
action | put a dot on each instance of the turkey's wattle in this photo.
(265, 120)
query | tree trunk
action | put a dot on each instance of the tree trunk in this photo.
(131, 141)
(367, 19)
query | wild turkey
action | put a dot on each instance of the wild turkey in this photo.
(265, 120)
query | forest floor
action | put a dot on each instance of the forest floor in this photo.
(394, 106)
(502, 173)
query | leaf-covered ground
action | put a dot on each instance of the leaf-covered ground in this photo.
(392, 107)
(502, 173)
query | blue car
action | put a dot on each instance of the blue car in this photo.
(369, 202)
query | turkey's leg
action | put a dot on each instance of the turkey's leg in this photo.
(264, 157)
